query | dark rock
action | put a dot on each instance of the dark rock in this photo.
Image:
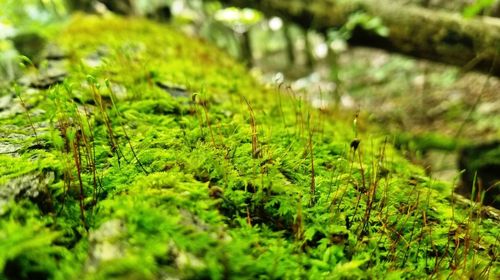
(54, 52)
(33, 186)
(54, 73)
(9, 148)
(483, 160)
(10, 106)
(31, 45)
(124, 7)
(46, 81)
(87, 6)
(173, 90)
(161, 13)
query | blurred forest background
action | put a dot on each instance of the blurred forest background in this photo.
(442, 116)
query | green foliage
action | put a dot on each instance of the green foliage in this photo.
(359, 20)
(475, 8)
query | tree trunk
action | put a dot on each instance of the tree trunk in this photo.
(457, 6)
(81, 5)
(121, 7)
(436, 35)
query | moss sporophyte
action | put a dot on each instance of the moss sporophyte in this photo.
(158, 157)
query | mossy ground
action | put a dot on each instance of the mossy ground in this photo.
(160, 158)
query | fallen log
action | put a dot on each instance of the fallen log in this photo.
(491, 9)
(423, 33)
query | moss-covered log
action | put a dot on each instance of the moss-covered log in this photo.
(459, 6)
(436, 35)
(156, 156)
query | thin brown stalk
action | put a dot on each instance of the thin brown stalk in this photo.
(112, 95)
(207, 120)
(18, 93)
(77, 159)
(253, 125)
(115, 148)
(311, 152)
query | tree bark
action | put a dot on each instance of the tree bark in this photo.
(81, 5)
(435, 35)
(121, 7)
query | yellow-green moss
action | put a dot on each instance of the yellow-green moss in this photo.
(216, 182)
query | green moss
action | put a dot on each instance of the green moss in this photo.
(215, 182)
